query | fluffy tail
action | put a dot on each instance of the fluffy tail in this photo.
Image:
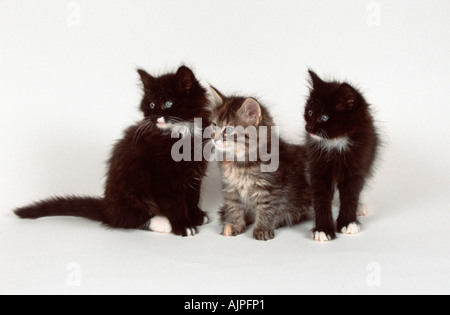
(86, 207)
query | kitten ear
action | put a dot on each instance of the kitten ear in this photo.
(315, 79)
(250, 111)
(217, 96)
(186, 79)
(146, 78)
(346, 98)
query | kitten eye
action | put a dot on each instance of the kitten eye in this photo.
(229, 130)
(168, 105)
(325, 118)
(152, 105)
(310, 113)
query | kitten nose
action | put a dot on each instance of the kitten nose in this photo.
(161, 120)
(217, 136)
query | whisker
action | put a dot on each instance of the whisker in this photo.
(136, 132)
(146, 125)
(174, 119)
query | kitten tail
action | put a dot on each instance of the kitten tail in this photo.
(86, 207)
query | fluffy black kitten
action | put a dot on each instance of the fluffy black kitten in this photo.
(145, 187)
(342, 145)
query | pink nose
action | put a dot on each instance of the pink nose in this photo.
(161, 120)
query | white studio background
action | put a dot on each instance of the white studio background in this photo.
(68, 87)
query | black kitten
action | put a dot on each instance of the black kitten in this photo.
(342, 145)
(145, 187)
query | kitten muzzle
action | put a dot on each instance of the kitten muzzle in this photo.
(161, 123)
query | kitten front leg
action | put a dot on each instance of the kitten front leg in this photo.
(174, 207)
(197, 216)
(322, 199)
(349, 194)
(232, 215)
(264, 223)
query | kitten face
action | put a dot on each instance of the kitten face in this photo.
(333, 110)
(235, 124)
(173, 100)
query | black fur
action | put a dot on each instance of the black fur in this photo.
(142, 179)
(347, 170)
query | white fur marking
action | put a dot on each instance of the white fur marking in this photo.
(190, 232)
(321, 237)
(340, 144)
(351, 229)
(160, 224)
(185, 129)
(363, 210)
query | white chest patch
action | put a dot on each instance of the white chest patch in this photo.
(340, 144)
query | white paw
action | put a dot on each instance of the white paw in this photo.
(351, 229)
(363, 210)
(321, 237)
(190, 232)
(160, 224)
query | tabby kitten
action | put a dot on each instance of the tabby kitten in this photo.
(342, 146)
(145, 187)
(270, 198)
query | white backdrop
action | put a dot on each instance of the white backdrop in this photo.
(68, 88)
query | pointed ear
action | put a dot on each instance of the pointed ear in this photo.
(315, 79)
(217, 96)
(186, 79)
(346, 99)
(146, 78)
(250, 112)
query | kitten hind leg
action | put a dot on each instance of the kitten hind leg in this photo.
(160, 224)
(363, 209)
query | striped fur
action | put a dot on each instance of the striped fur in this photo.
(268, 199)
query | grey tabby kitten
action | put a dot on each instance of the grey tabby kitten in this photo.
(255, 190)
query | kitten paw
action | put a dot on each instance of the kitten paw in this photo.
(263, 234)
(351, 229)
(199, 217)
(190, 231)
(230, 230)
(160, 224)
(185, 231)
(363, 210)
(322, 237)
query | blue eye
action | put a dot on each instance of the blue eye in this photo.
(152, 105)
(310, 113)
(229, 130)
(168, 105)
(325, 118)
